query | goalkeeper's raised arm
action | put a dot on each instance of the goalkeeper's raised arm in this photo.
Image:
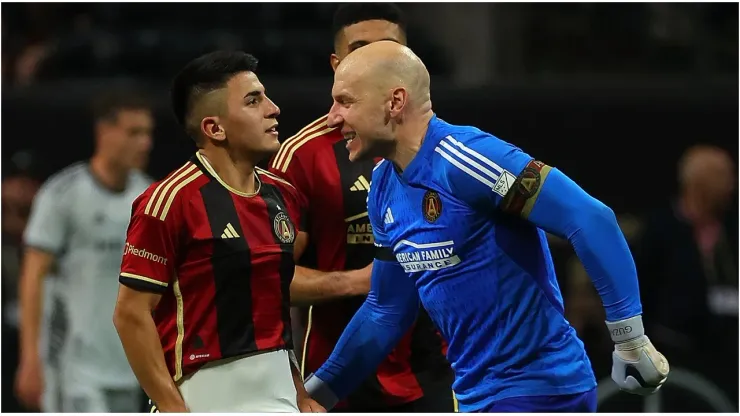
(552, 201)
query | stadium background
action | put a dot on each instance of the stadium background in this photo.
(611, 94)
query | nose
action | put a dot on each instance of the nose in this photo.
(334, 119)
(273, 110)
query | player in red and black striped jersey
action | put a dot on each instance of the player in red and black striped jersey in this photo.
(337, 246)
(203, 310)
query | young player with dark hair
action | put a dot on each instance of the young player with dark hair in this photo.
(203, 309)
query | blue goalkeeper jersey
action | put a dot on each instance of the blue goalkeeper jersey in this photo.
(485, 277)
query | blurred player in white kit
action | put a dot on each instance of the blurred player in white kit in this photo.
(77, 231)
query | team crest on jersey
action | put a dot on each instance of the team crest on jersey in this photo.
(284, 229)
(431, 206)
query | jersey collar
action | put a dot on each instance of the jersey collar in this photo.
(421, 160)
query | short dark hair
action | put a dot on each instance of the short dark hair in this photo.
(106, 106)
(351, 13)
(204, 74)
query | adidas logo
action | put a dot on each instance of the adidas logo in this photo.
(388, 216)
(229, 232)
(361, 184)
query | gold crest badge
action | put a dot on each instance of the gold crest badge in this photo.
(283, 228)
(431, 206)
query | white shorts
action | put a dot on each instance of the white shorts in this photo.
(258, 383)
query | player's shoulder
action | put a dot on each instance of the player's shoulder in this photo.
(468, 136)
(67, 178)
(315, 137)
(160, 196)
(467, 148)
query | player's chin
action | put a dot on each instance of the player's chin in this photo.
(271, 143)
(354, 156)
(359, 156)
(356, 150)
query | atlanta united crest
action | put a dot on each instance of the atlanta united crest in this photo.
(431, 206)
(284, 229)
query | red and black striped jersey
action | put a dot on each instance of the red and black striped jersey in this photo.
(333, 195)
(222, 260)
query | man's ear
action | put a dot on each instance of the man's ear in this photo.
(399, 100)
(212, 128)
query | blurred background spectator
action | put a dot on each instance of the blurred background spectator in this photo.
(19, 186)
(687, 257)
(612, 94)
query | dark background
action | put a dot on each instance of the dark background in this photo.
(611, 94)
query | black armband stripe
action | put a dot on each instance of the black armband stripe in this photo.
(142, 283)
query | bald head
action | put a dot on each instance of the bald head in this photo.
(708, 174)
(703, 162)
(387, 65)
(381, 101)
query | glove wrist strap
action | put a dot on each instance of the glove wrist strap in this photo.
(626, 329)
(320, 391)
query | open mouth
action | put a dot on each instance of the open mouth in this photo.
(273, 129)
(349, 136)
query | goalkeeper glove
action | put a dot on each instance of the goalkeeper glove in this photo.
(637, 367)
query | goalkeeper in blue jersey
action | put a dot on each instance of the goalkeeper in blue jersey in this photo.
(459, 218)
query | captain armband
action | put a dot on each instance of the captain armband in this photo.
(523, 194)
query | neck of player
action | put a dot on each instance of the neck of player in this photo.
(108, 173)
(236, 172)
(409, 138)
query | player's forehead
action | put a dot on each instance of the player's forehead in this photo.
(369, 31)
(345, 84)
(244, 83)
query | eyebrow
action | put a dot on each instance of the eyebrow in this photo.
(253, 94)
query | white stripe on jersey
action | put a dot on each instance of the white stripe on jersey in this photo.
(493, 176)
(498, 169)
(464, 168)
(488, 175)
(422, 246)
